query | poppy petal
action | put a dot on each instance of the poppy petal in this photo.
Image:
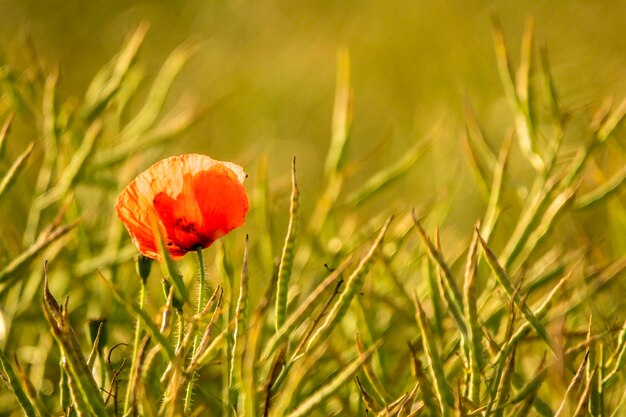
(193, 199)
(222, 201)
(138, 218)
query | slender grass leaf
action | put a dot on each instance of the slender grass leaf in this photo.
(611, 122)
(493, 205)
(583, 401)
(506, 283)
(18, 165)
(158, 92)
(342, 116)
(241, 320)
(13, 382)
(443, 391)
(370, 402)
(431, 401)
(302, 312)
(74, 168)
(384, 178)
(107, 82)
(474, 332)
(453, 293)
(379, 390)
(45, 239)
(135, 309)
(4, 133)
(353, 285)
(286, 260)
(79, 372)
(599, 193)
(309, 403)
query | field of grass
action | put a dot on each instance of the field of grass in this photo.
(429, 271)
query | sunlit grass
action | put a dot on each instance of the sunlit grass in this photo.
(347, 318)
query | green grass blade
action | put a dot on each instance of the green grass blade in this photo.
(480, 177)
(523, 123)
(600, 281)
(474, 332)
(79, 372)
(540, 312)
(74, 168)
(387, 176)
(241, 321)
(170, 269)
(46, 238)
(378, 389)
(506, 283)
(50, 159)
(307, 405)
(18, 165)
(447, 293)
(353, 285)
(619, 358)
(261, 199)
(370, 402)
(78, 402)
(4, 133)
(601, 192)
(453, 294)
(526, 406)
(443, 391)
(583, 401)
(611, 123)
(542, 229)
(134, 309)
(431, 401)
(159, 91)
(435, 296)
(64, 394)
(537, 203)
(302, 312)
(504, 387)
(524, 92)
(476, 139)
(289, 249)
(493, 205)
(550, 90)
(31, 392)
(106, 84)
(596, 397)
(577, 379)
(15, 386)
(173, 125)
(504, 66)
(342, 116)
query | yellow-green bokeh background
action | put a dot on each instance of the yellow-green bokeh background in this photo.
(264, 74)
(266, 70)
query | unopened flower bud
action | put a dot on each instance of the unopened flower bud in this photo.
(143, 265)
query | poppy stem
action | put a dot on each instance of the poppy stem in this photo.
(200, 307)
(202, 279)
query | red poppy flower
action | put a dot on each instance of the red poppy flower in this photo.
(192, 199)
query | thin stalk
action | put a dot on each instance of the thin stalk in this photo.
(142, 303)
(202, 280)
(196, 340)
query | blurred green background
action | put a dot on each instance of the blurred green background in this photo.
(266, 71)
(264, 76)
